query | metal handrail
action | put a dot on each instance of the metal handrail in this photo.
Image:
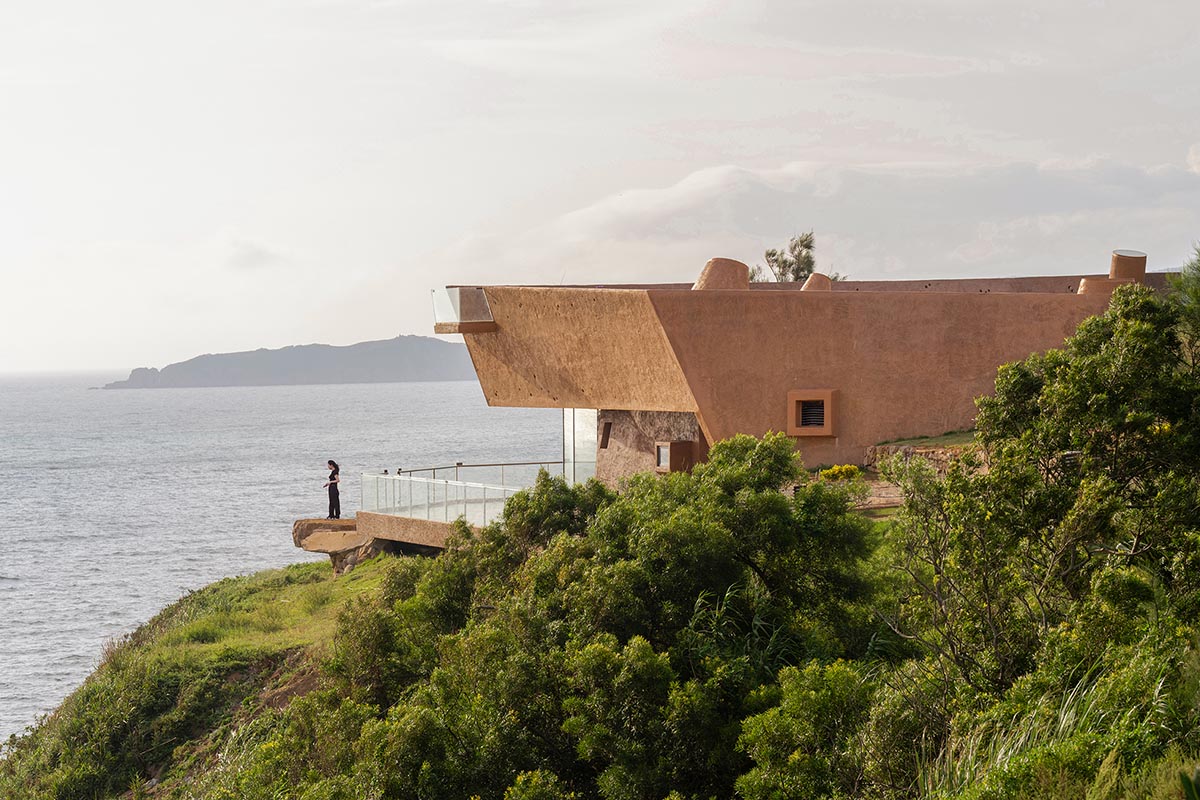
(461, 465)
(408, 477)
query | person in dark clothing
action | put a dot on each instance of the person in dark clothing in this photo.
(335, 501)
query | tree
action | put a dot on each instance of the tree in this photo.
(1185, 292)
(809, 746)
(1094, 464)
(610, 645)
(792, 264)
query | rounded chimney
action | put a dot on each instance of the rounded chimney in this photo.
(1129, 265)
(723, 273)
(817, 282)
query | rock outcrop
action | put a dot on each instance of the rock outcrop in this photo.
(338, 538)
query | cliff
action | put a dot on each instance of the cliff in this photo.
(405, 358)
(168, 697)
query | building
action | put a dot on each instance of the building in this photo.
(650, 375)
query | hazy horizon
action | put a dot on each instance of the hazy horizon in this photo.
(178, 180)
(124, 370)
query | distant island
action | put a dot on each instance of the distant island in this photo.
(405, 358)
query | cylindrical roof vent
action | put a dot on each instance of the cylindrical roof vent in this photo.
(723, 273)
(1128, 264)
(817, 282)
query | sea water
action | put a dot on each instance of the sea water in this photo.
(115, 503)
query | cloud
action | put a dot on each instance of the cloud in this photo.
(1193, 158)
(873, 220)
(246, 255)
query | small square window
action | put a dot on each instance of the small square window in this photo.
(605, 433)
(811, 412)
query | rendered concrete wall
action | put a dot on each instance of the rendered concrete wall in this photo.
(577, 348)
(424, 533)
(902, 363)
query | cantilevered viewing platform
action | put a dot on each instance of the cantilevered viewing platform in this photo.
(414, 511)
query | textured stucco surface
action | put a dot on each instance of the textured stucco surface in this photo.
(905, 358)
(723, 273)
(902, 364)
(633, 434)
(577, 348)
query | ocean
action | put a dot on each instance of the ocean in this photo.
(113, 504)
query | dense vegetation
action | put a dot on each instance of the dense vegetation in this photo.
(1023, 630)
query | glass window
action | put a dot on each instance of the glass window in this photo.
(662, 456)
(579, 444)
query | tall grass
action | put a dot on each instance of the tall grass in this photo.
(1086, 708)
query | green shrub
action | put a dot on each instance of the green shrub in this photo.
(538, 785)
(811, 744)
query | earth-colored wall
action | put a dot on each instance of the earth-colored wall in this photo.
(577, 348)
(633, 435)
(902, 363)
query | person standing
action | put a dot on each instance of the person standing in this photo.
(335, 501)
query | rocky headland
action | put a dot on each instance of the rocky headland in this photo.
(405, 358)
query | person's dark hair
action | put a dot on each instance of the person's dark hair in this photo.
(332, 463)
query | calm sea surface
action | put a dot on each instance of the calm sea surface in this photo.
(115, 503)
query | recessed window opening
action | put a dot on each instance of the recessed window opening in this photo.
(812, 413)
(662, 456)
(605, 432)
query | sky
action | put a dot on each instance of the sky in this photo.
(179, 178)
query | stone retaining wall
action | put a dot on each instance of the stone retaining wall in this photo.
(939, 457)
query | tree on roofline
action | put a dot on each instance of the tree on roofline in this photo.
(793, 264)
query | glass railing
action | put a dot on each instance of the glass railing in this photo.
(511, 474)
(443, 494)
(455, 304)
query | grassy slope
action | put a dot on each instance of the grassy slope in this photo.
(949, 439)
(170, 699)
(187, 690)
(162, 700)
